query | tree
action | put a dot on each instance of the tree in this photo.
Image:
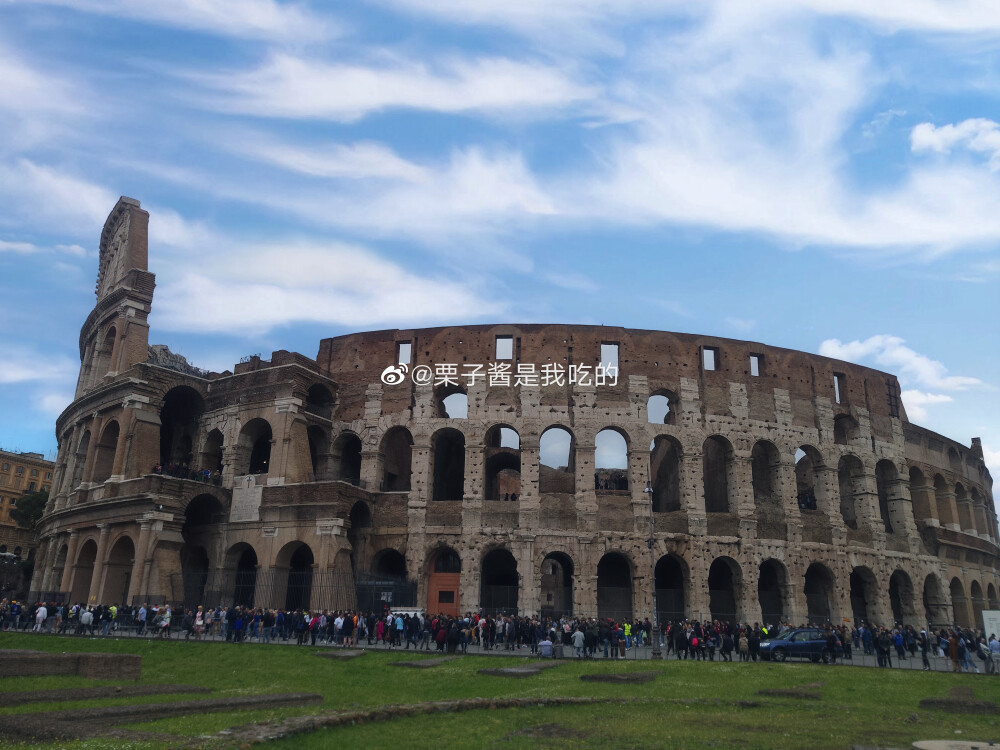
(29, 508)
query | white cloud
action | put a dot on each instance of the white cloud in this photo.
(287, 86)
(916, 403)
(889, 352)
(252, 290)
(24, 365)
(22, 248)
(977, 135)
(51, 403)
(741, 324)
(34, 193)
(353, 161)
(992, 460)
(576, 282)
(249, 19)
(880, 122)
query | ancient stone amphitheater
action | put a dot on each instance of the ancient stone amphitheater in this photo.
(518, 468)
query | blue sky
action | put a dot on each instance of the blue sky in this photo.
(815, 174)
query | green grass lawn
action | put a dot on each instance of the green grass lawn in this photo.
(691, 704)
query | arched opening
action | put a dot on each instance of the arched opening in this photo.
(453, 403)
(945, 500)
(319, 452)
(498, 591)
(359, 534)
(864, 595)
(935, 607)
(389, 563)
(717, 464)
(201, 519)
(182, 408)
(395, 453)
(118, 572)
(845, 429)
(319, 401)
(614, 588)
(105, 355)
(242, 561)
(347, 457)
(448, 460)
(671, 581)
(665, 468)
(661, 408)
(819, 593)
(557, 585)
(901, 598)
(923, 499)
(297, 559)
(886, 477)
(105, 460)
(991, 596)
(254, 448)
(771, 583)
(960, 604)
(58, 565)
(964, 508)
(80, 460)
(765, 465)
(443, 579)
(850, 477)
(503, 464)
(723, 595)
(807, 461)
(211, 455)
(83, 571)
(610, 461)
(557, 461)
(978, 603)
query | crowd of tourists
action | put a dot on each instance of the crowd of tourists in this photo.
(584, 638)
(183, 471)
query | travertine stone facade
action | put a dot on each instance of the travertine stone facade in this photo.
(743, 480)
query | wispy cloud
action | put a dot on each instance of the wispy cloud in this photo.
(21, 364)
(916, 403)
(890, 352)
(977, 135)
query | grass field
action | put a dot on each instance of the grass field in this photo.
(689, 704)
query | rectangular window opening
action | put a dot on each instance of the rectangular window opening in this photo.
(446, 597)
(404, 352)
(839, 387)
(505, 347)
(755, 365)
(609, 357)
(710, 358)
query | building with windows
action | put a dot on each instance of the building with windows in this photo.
(20, 473)
(517, 468)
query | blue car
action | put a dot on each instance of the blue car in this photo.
(799, 643)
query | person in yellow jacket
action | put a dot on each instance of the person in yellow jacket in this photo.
(628, 634)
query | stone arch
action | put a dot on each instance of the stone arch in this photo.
(104, 356)
(935, 605)
(772, 587)
(104, 461)
(557, 585)
(672, 579)
(557, 461)
(448, 464)
(964, 506)
(845, 429)
(819, 590)
(444, 569)
(978, 602)
(179, 419)
(864, 595)
(359, 535)
(80, 459)
(295, 564)
(118, 571)
(718, 467)
(346, 458)
(611, 460)
(886, 477)
(241, 567)
(924, 507)
(662, 407)
(58, 564)
(211, 453)
(901, 598)
(201, 517)
(959, 604)
(808, 460)
(665, 469)
(499, 582)
(319, 452)
(945, 500)
(86, 558)
(253, 455)
(614, 587)
(503, 463)
(850, 478)
(725, 589)
(452, 402)
(991, 597)
(389, 563)
(396, 456)
(765, 466)
(319, 401)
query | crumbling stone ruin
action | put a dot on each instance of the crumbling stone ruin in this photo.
(738, 479)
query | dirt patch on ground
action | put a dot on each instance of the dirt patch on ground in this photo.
(527, 669)
(548, 732)
(93, 693)
(423, 663)
(961, 700)
(341, 654)
(790, 693)
(620, 678)
(87, 722)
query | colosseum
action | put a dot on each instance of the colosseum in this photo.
(519, 468)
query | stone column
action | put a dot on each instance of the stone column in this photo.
(966, 518)
(947, 498)
(46, 565)
(137, 581)
(66, 584)
(126, 421)
(97, 579)
(693, 492)
(95, 427)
